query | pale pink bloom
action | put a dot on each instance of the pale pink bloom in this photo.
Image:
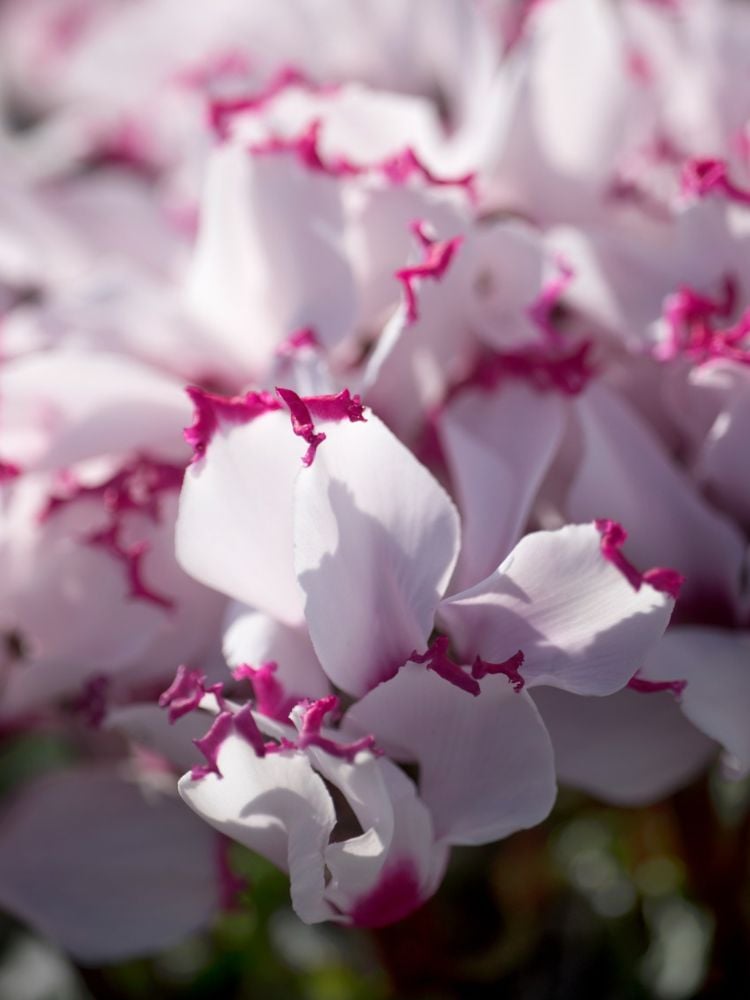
(92, 587)
(491, 303)
(375, 546)
(95, 610)
(534, 437)
(306, 217)
(93, 262)
(642, 286)
(607, 458)
(590, 114)
(262, 212)
(131, 83)
(273, 799)
(342, 233)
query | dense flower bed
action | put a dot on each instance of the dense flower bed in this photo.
(374, 421)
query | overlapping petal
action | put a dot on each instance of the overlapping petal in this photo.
(459, 742)
(376, 540)
(581, 625)
(234, 529)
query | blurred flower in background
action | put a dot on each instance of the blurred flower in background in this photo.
(374, 498)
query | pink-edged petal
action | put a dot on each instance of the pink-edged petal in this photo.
(74, 604)
(104, 870)
(234, 528)
(361, 131)
(486, 766)
(414, 361)
(253, 637)
(580, 623)
(189, 631)
(435, 259)
(389, 869)
(380, 241)
(627, 475)
(498, 447)
(621, 278)
(716, 665)
(395, 864)
(275, 805)
(516, 284)
(630, 748)
(86, 610)
(269, 256)
(376, 539)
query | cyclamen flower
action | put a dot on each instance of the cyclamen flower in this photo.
(352, 551)
(521, 438)
(94, 608)
(92, 589)
(263, 267)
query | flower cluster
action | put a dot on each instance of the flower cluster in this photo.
(384, 371)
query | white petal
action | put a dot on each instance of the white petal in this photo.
(382, 875)
(630, 748)
(275, 805)
(498, 447)
(376, 540)
(578, 621)
(486, 766)
(234, 529)
(578, 101)
(625, 474)
(716, 665)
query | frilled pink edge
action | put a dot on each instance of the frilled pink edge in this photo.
(212, 411)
